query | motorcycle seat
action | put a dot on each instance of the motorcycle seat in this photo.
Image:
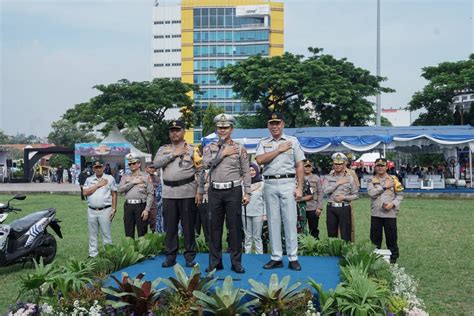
(22, 224)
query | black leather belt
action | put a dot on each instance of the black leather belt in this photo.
(179, 182)
(99, 208)
(280, 176)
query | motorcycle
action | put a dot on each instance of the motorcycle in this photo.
(27, 238)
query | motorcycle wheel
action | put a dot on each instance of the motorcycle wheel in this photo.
(47, 249)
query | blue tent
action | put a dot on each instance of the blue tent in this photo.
(366, 138)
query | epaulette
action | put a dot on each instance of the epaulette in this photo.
(398, 187)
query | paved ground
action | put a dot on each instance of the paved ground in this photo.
(64, 188)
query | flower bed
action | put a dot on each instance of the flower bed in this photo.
(369, 286)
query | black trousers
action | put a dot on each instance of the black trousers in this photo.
(202, 221)
(339, 218)
(225, 204)
(174, 211)
(313, 222)
(389, 225)
(132, 217)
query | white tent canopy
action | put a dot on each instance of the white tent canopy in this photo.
(115, 136)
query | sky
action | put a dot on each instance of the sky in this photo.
(53, 52)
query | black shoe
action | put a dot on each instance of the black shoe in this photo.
(294, 265)
(168, 263)
(238, 269)
(273, 264)
(190, 264)
(220, 266)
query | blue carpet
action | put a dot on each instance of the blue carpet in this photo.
(323, 270)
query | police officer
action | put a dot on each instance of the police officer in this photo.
(138, 198)
(181, 164)
(155, 181)
(357, 182)
(282, 158)
(101, 192)
(341, 190)
(228, 166)
(314, 204)
(386, 194)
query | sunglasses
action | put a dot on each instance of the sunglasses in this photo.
(132, 163)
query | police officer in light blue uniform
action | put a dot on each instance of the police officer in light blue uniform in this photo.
(283, 174)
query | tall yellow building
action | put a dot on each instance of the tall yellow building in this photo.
(193, 38)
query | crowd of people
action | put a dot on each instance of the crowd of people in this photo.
(263, 205)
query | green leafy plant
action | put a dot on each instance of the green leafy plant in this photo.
(277, 294)
(225, 301)
(72, 277)
(308, 245)
(185, 286)
(48, 283)
(120, 255)
(31, 284)
(137, 295)
(397, 305)
(337, 247)
(327, 300)
(363, 255)
(359, 295)
(201, 244)
(150, 244)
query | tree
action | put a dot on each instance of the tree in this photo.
(60, 160)
(135, 105)
(4, 138)
(67, 134)
(318, 90)
(385, 121)
(436, 97)
(208, 126)
(258, 120)
(24, 139)
(338, 90)
(275, 82)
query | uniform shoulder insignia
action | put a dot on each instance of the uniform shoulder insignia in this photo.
(398, 187)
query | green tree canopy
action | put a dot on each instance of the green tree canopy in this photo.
(140, 105)
(436, 97)
(319, 90)
(4, 138)
(66, 134)
(208, 126)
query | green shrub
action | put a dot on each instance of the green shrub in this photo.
(225, 301)
(277, 295)
(308, 245)
(136, 295)
(120, 255)
(358, 295)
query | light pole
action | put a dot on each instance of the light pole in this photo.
(378, 102)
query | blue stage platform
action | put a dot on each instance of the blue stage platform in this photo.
(324, 270)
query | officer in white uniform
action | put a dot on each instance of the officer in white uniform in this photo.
(283, 174)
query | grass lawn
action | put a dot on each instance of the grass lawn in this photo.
(435, 238)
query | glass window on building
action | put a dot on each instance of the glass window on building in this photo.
(204, 21)
(197, 136)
